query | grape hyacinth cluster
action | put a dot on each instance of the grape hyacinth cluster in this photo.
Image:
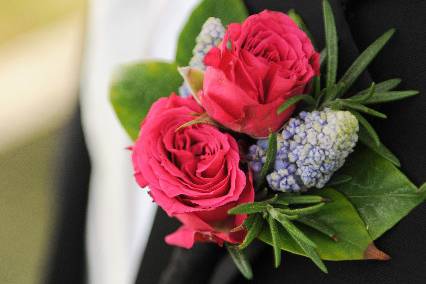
(211, 35)
(310, 149)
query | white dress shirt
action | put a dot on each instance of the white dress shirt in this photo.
(120, 214)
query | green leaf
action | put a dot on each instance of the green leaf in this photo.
(291, 229)
(253, 230)
(338, 179)
(354, 240)
(381, 94)
(319, 226)
(240, 261)
(302, 211)
(248, 208)
(136, 87)
(228, 11)
(368, 128)
(294, 100)
(362, 108)
(380, 192)
(380, 149)
(251, 208)
(312, 254)
(300, 23)
(323, 56)
(364, 97)
(363, 61)
(270, 158)
(385, 97)
(317, 88)
(422, 189)
(382, 86)
(298, 199)
(330, 43)
(331, 93)
(301, 239)
(275, 236)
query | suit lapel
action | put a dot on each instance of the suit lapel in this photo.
(157, 252)
(162, 263)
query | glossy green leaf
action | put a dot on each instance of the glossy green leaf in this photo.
(363, 61)
(354, 240)
(338, 179)
(294, 100)
(136, 87)
(240, 261)
(330, 43)
(379, 149)
(228, 11)
(319, 226)
(379, 191)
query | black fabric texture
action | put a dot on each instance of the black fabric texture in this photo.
(157, 252)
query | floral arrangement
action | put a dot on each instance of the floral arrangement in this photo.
(253, 137)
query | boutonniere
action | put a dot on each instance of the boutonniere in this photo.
(249, 135)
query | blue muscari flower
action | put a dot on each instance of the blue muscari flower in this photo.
(211, 35)
(311, 147)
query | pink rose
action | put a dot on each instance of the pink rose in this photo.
(192, 173)
(259, 65)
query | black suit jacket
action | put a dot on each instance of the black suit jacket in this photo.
(359, 22)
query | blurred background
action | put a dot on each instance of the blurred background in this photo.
(40, 54)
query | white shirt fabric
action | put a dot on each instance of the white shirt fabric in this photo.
(120, 214)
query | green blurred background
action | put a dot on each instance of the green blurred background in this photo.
(43, 36)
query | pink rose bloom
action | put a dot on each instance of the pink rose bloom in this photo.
(192, 173)
(259, 65)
